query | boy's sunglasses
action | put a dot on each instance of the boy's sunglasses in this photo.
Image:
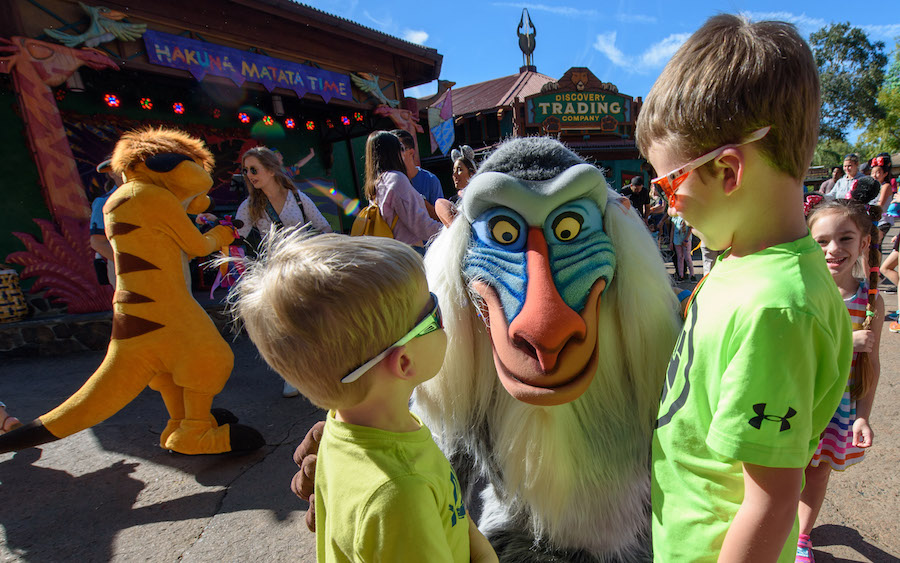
(670, 182)
(432, 322)
(251, 170)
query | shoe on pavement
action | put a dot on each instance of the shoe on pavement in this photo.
(804, 550)
(892, 316)
(895, 327)
(289, 391)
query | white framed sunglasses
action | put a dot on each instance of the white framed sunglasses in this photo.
(433, 321)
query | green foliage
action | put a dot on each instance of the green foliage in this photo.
(851, 70)
(830, 152)
(892, 77)
(883, 135)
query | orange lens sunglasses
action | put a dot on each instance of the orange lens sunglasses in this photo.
(670, 182)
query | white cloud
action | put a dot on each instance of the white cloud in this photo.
(386, 24)
(878, 32)
(654, 57)
(573, 12)
(635, 18)
(804, 22)
(383, 24)
(567, 11)
(809, 24)
(658, 54)
(606, 44)
(417, 36)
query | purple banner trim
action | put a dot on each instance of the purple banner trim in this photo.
(201, 58)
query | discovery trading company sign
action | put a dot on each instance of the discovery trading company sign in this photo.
(578, 110)
(201, 58)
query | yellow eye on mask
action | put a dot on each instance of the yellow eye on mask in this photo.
(504, 230)
(567, 226)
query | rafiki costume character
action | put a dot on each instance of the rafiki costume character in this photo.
(161, 337)
(560, 320)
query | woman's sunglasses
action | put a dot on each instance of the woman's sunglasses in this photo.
(250, 170)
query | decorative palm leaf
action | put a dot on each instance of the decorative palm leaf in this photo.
(63, 265)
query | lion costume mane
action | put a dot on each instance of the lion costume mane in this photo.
(161, 337)
(560, 320)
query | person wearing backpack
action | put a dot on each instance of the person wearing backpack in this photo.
(388, 186)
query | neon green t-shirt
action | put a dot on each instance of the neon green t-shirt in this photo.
(387, 496)
(755, 376)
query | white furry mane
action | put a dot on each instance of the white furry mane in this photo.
(578, 472)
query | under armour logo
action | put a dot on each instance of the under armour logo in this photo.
(458, 511)
(760, 410)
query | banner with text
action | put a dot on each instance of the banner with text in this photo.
(201, 58)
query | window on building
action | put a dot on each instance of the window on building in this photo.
(492, 125)
(476, 133)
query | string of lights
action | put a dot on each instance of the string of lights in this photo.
(113, 100)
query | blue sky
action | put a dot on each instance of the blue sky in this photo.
(620, 43)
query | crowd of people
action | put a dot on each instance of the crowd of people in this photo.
(723, 443)
(770, 291)
(673, 235)
(675, 238)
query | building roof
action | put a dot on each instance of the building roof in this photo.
(499, 92)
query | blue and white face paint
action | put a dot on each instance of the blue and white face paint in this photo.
(567, 209)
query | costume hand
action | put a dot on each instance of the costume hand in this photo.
(863, 340)
(304, 482)
(223, 235)
(480, 549)
(862, 433)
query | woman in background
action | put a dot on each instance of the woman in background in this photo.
(272, 199)
(268, 188)
(388, 186)
(463, 167)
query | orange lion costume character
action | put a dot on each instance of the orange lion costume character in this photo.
(161, 337)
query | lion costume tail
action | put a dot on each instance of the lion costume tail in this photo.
(80, 411)
(102, 396)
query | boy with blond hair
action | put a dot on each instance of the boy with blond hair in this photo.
(349, 321)
(763, 358)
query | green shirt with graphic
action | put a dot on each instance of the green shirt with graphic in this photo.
(386, 496)
(755, 376)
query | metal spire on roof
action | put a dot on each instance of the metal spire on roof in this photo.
(527, 32)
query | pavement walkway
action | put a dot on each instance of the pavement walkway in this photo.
(111, 494)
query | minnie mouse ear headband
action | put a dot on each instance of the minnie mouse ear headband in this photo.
(464, 152)
(811, 201)
(864, 189)
(883, 160)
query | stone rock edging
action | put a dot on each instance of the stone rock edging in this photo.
(66, 334)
